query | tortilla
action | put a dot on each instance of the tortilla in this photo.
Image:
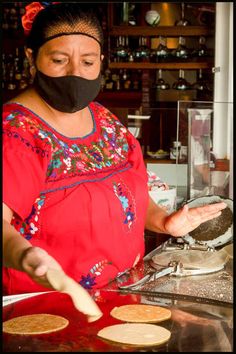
(35, 324)
(135, 334)
(141, 313)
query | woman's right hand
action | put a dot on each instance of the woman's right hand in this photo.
(35, 261)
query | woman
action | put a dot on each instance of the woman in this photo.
(75, 183)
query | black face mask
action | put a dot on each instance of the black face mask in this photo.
(67, 93)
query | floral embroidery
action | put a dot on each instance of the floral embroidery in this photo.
(89, 281)
(108, 150)
(36, 149)
(29, 227)
(127, 201)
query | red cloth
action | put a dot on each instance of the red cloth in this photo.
(83, 200)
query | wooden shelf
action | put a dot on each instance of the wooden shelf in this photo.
(166, 161)
(168, 66)
(167, 31)
(221, 165)
(122, 99)
(131, 95)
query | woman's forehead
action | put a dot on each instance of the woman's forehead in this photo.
(70, 42)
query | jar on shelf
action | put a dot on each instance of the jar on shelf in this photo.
(161, 84)
(201, 51)
(175, 151)
(182, 52)
(142, 53)
(121, 51)
(181, 83)
(161, 53)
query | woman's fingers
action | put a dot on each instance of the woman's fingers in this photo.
(187, 219)
(40, 270)
(36, 262)
(207, 212)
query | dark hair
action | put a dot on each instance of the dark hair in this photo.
(59, 14)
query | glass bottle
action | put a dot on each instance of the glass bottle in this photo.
(117, 83)
(130, 52)
(161, 53)
(17, 67)
(182, 21)
(202, 85)
(25, 75)
(103, 82)
(108, 80)
(121, 52)
(13, 17)
(202, 49)
(11, 84)
(5, 19)
(142, 53)
(181, 83)
(126, 80)
(17, 71)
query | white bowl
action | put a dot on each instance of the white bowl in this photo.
(165, 199)
(152, 17)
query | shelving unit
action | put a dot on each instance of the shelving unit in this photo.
(121, 101)
(166, 125)
(168, 31)
(166, 66)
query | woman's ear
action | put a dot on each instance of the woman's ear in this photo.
(29, 55)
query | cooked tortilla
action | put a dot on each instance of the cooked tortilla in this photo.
(143, 334)
(35, 324)
(141, 313)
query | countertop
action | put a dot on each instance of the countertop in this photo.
(198, 323)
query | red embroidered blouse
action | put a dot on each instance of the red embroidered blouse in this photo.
(83, 200)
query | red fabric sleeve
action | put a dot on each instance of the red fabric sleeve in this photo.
(24, 170)
(136, 155)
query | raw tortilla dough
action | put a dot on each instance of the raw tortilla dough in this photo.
(141, 313)
(35, 324)
(136, 334)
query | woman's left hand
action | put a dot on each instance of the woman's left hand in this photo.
(187, 219)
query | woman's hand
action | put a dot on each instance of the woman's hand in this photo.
(18, 253)
(35, 261)
(187, 219)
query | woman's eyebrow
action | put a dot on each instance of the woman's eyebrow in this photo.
(59, 52)
(94, 54)
(50, 52)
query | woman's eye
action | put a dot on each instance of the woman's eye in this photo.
(88, 63)
(58, 61)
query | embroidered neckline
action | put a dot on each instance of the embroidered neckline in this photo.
(91, 109)
(103, 151)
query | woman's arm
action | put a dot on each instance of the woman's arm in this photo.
(13, 243)
(18, 253)
(156, 217)
(182, 221)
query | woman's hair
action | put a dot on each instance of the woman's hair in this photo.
(63, 19)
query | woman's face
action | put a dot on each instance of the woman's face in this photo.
(77, 55)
